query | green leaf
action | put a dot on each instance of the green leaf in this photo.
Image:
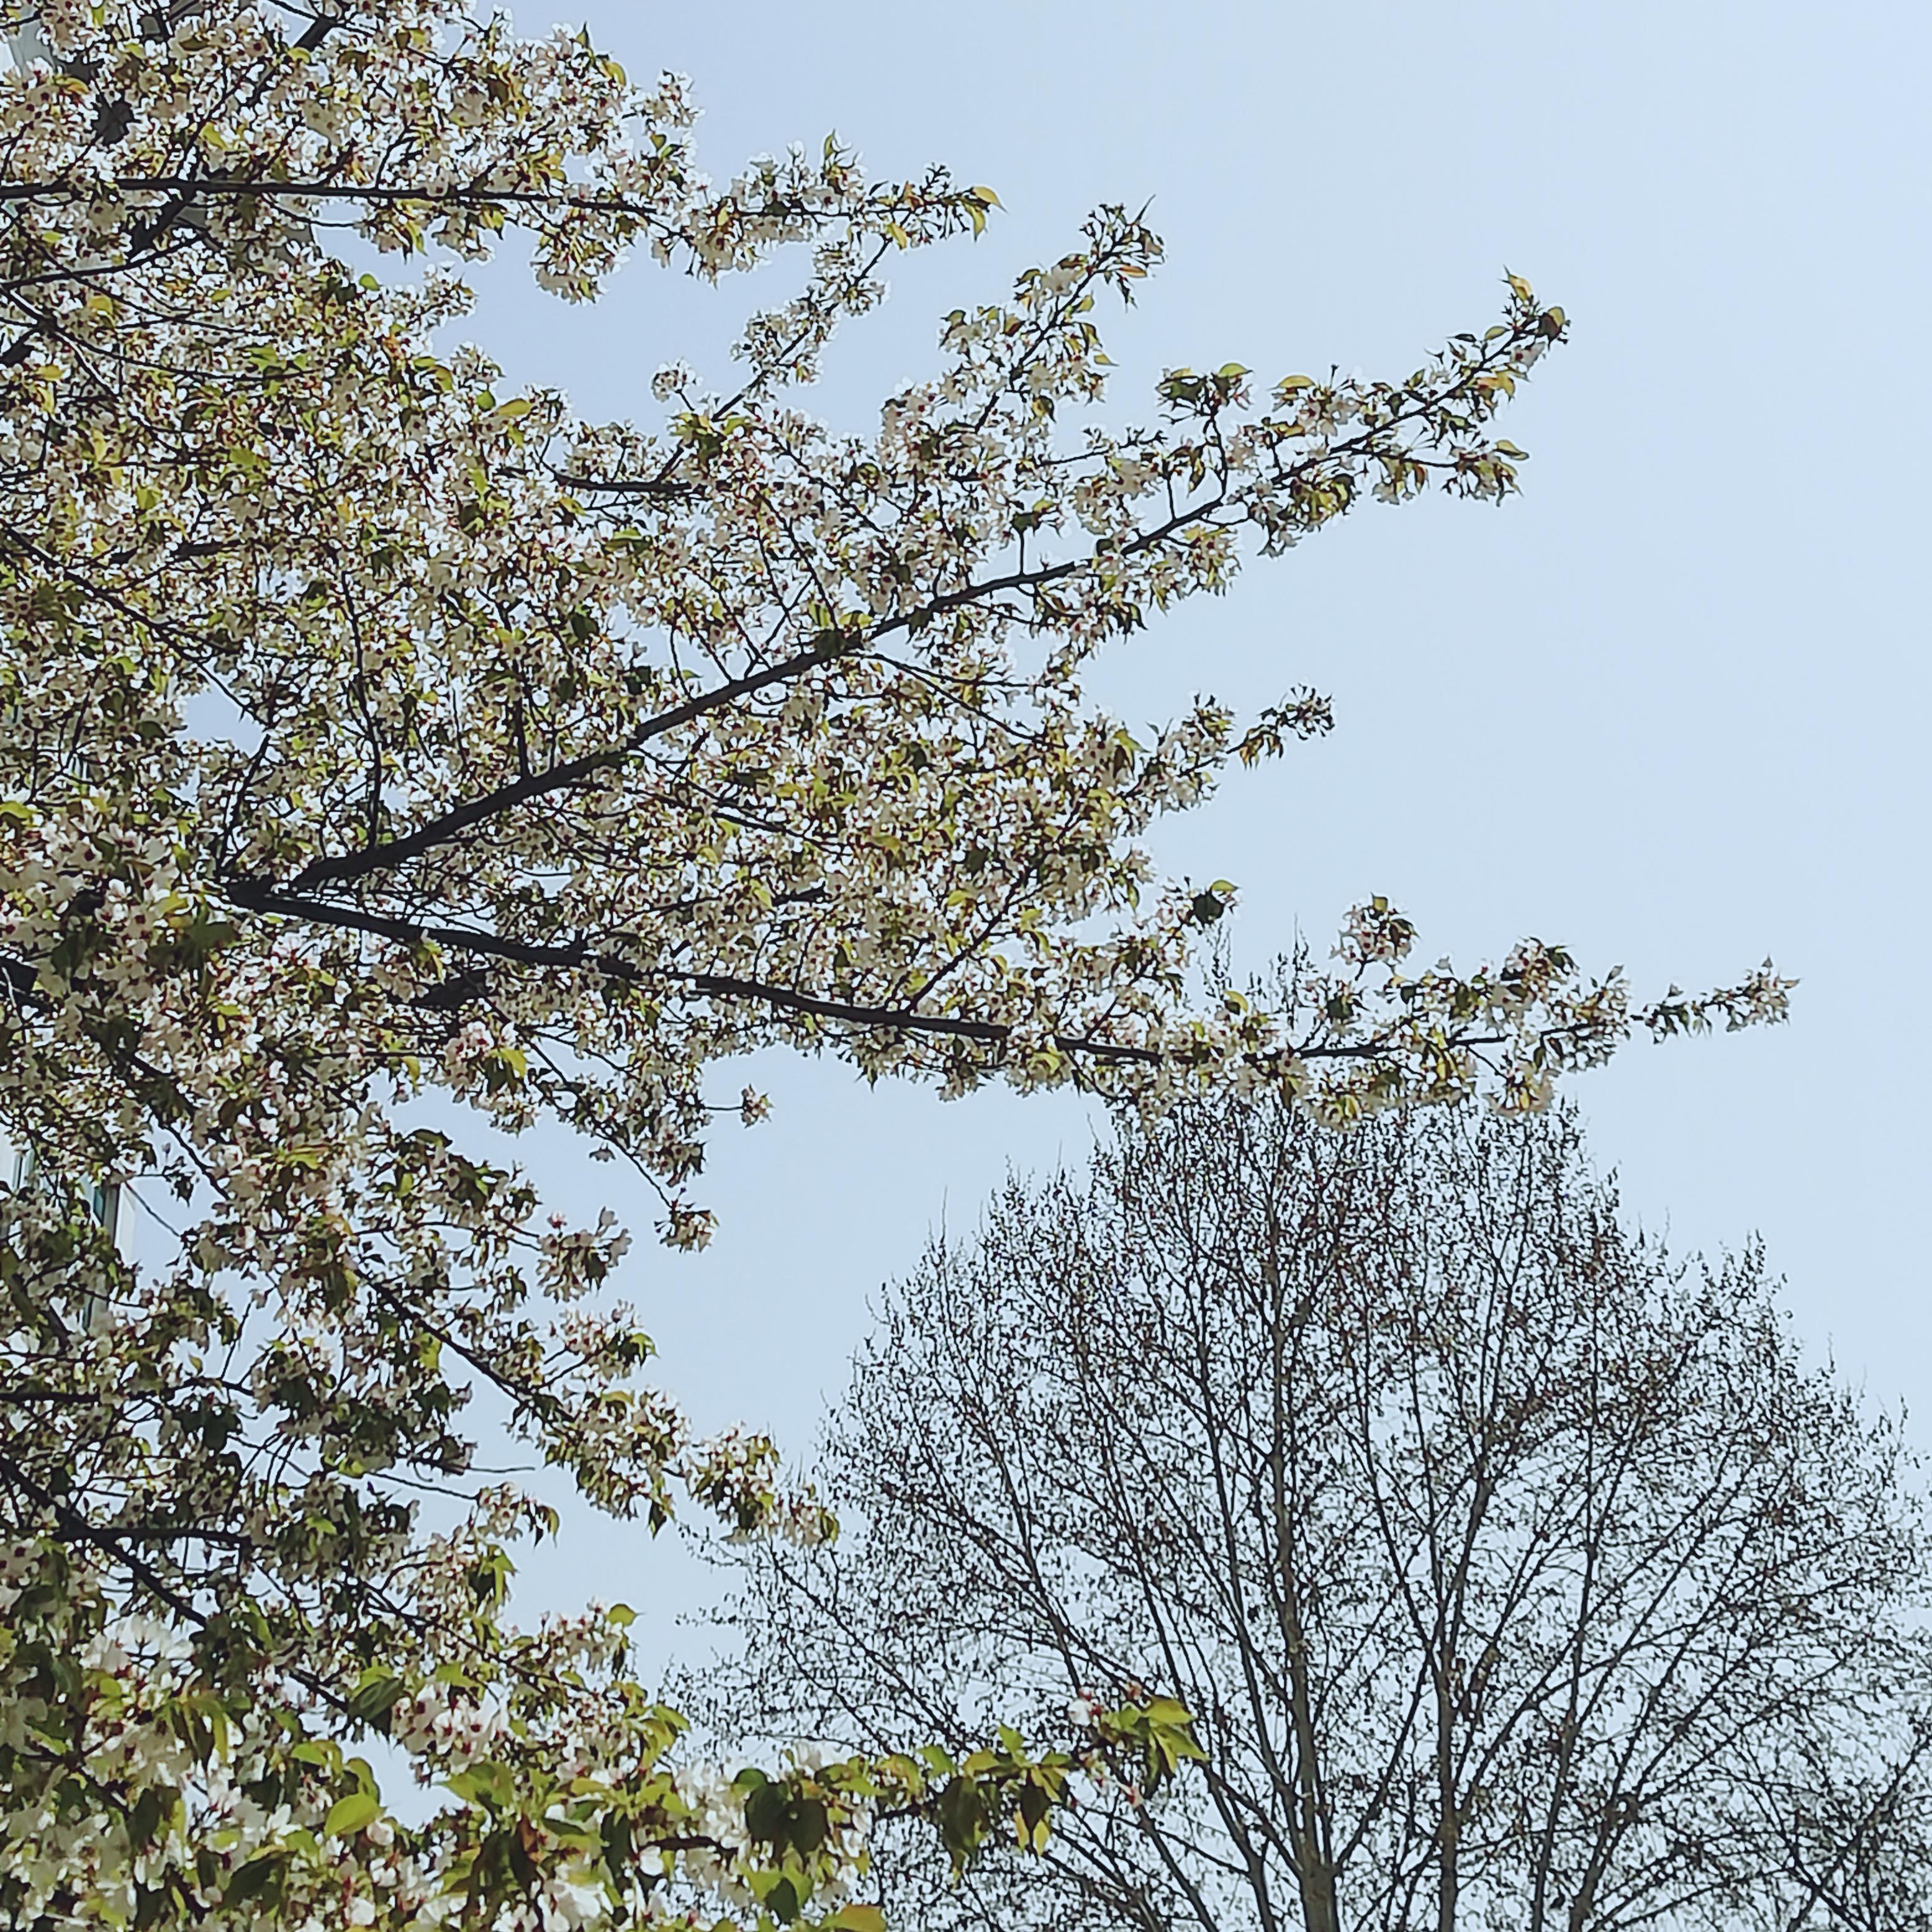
(810, 1826)
(376, 1694)
(258, 1879)
(486, 1784)
(349, 1815)
(765, 1808)
(1034, 1816)
(962, 1818)
(145, 1820)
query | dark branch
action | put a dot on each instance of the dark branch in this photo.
(628, 486)
(451, 824)
(581, 956)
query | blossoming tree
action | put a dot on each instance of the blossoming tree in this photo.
(372, 735)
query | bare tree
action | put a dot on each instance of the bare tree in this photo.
(1515, 1574)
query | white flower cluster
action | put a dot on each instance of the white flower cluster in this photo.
(717, 1814)
(455, 1732)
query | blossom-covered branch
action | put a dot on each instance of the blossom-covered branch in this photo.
(375, 739)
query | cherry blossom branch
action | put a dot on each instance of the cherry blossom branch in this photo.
(449, 825)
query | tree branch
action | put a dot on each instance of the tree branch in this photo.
(828, 649)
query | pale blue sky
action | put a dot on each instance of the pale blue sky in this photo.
(1669, 707)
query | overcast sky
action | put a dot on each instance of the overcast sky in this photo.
(1668, 707)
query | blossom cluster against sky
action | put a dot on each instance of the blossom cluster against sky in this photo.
(1668, 707)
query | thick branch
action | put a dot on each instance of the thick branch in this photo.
(451, 824)
(581, 956)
